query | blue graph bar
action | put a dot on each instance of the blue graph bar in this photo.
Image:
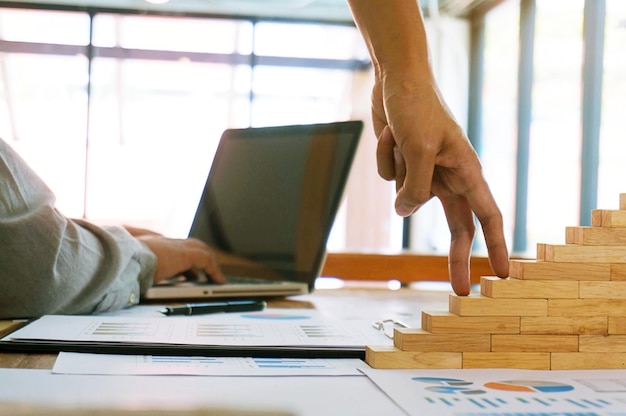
(287, 363)
(591, 403)
(290, 366)
(446, 402)
(477, 403)
(183, 359)
(543, 402)
(491, 403)
(539, 414)
(575, 403)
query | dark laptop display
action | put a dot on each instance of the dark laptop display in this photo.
(270, 201)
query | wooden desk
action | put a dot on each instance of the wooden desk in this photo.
(360, 300)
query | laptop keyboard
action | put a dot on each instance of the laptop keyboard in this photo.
(247, 280)
(230, 279)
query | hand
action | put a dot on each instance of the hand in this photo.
(138, 232)
(425, 151)
(175, 256)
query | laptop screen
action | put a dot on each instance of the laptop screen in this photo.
(272, 195)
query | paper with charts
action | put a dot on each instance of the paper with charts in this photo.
(269, 328)
(505, 392)
(120, 364)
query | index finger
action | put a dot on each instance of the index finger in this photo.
(486, 209)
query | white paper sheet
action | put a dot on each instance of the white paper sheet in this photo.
(302, 396)
(272, 327)
(497, 392)
(107, 364)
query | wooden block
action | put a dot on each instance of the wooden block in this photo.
(541, 251)
(393, 358)
(543, 270)
(595, 236)
(617, 325)
(587, 361)
(494, 287)
(602, 343)
(561, 325)
(574, 253)
(618, 271)
(622, 201)
(587, 307)
(410, 339)
(603, 290)
(534, 343)
(521, 360)
(438, 322)
(608, 218)
(478, 305)
(613, 218)
(596, 218)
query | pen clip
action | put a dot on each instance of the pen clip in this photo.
(387, 326)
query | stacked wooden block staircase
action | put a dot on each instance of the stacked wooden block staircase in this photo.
(564, 310)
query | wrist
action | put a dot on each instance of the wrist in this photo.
(406, 80)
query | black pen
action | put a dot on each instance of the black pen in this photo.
(215, 307)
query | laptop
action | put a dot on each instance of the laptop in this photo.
(267, 209)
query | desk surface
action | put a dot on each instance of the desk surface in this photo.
(26, 380)
(356, 300)
(27, 383)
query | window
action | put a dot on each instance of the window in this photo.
(156, 118)
(612, 170)
(123, 126)
(556, 196)
(555, 140)
(43, 113)
(499, 96)
(307, 41)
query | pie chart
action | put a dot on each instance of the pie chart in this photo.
(529, 386)
(449, 385)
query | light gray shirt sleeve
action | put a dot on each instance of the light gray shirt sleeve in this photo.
(51, 264)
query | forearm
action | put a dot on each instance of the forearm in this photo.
(394, 33)
(69, 267)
